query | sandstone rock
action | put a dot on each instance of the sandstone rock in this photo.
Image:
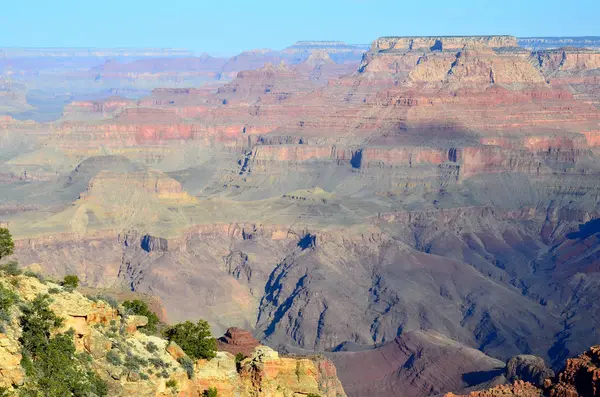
(133, 322)
(175, 351)
(580, 377)
(266, 374)
(236, 341)
(77, 324)
(220, 372)
(133, 376)
(97, 344)
(11, 372)
(528, 368)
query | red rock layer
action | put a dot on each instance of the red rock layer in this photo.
(237, 340)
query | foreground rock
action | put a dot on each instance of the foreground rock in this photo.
(133, 363)
(518, 389)
(579, 378)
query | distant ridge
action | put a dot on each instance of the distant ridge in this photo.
(540, 43)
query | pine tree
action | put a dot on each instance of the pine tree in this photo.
(7, 245)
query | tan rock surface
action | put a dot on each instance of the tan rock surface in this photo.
(263, 374)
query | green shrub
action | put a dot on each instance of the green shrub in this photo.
(37, 321)
(171, 383)
(114, 358)
(70, 282)
(151, 347)
(30, 273)
(5, 392)
(195, 339)
(11, 268)
(143, 376)
(140, 308)
(164, 374)
(211, 392)
(134, 362)
(7, 299)
(7, 245)
(50, 362)
(238, 360)
(188, 365)
(54, 290)
(85, 356)
(313, 395)
(157, 362)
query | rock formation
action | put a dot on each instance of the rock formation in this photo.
(96, 332)
(529, 369)
(579, 378)
(236, 341)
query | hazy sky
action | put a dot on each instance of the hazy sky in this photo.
(227, 27)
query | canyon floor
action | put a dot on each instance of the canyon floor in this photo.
(425, 204)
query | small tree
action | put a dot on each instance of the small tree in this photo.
(7, 245)
(171, 383)
(211, 392)
(195, 339)
(50, 361)
(70, 281)
(11, 268)
(238, 361)
(140, 308)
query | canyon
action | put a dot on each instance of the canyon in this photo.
(429, 200)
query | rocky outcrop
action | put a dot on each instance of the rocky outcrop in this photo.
(529, 369)
(236, 341)
(268, 374)
(566, 60)
(580, 377)
(518, 389)
(100, 330)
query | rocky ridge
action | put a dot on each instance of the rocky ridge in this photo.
(100, 330)
(579, 378)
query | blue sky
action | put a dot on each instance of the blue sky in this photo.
(228, 27)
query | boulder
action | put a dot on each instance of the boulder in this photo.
(237, 340)
(97, 344)
(528, 368)
(175, 351)
(133, 322)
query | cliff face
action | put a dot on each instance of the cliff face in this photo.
(579, 378)
(441, 43)
(100, 331)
